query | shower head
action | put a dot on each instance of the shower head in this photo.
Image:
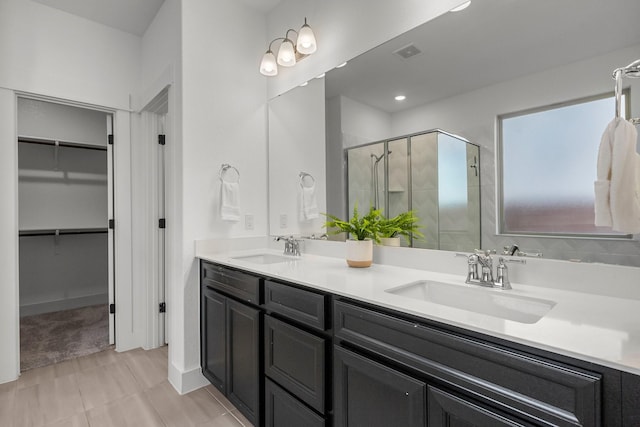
(380, 157)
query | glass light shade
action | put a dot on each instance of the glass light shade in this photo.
(306, 43)
(286, 54)
(268, 66)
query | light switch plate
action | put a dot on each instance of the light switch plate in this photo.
(283, 220)
(248, 222)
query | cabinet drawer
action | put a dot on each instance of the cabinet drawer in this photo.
(240, 285)
(298, 304)
(283, 410)
(295, 359)
(522, 383)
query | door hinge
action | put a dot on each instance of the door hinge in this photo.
(112, 224)
(110, 139)
(162, 140)
(163, 307)
(162, 223)
(112, 308)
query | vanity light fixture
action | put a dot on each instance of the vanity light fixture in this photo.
(400, 98)
(463, 6)
(288, 53)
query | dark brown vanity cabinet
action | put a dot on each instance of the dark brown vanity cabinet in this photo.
(297, 352)
(231, 337)
(468, 381)
(287, 355)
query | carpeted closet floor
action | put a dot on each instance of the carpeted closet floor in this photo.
(53, 337)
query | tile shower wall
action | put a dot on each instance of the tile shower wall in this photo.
(424, 185)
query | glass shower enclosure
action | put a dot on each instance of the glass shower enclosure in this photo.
(434, 173)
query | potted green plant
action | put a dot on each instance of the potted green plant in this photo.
(362, 231)
(404, 224)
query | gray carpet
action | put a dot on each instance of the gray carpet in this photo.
(53, 337)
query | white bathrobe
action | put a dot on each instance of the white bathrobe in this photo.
(617, 189)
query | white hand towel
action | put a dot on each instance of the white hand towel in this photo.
(230, 201)
(617, 189)
(309, 209)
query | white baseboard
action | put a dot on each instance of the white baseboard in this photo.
(188, 381)
(63, 304)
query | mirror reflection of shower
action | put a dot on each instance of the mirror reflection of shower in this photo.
(375, 178)
(434, 173)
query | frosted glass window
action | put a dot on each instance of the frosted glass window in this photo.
(548, 168)
(452, 183)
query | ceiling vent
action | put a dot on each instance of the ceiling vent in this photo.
(407, 51)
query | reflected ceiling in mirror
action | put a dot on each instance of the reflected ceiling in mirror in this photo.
(489, 42)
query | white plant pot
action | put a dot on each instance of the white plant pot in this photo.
(390, 241)
(359, 253)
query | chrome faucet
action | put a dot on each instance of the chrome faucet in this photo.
(480, 270)
(291, 245)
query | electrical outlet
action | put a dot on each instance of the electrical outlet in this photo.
(283, 220)
(248, 222)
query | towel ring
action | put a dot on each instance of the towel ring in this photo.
(630, 71)
(304, 175)
(225, 168)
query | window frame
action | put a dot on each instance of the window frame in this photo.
(499, 145)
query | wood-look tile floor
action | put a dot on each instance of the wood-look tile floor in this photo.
(106, 389)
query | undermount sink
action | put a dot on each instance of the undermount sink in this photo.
(496, 303)
(263, 258)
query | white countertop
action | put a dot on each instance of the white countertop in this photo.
(595, 328)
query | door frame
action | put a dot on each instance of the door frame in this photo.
(128, 317)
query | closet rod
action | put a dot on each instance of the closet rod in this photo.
(62, 231)
(42, 141)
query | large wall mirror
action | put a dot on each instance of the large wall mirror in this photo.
(460, 73)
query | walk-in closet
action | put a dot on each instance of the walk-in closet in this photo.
(66, 255)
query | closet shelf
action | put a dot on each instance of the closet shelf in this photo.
(72, 144)
(62, 231)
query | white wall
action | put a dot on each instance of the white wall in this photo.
(473, 116)
(223, 121)
(51, 53)
(344, 30)
(296, 144)
(362, 123)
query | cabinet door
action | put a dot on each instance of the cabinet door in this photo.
(448, 410)
(213, 338)
(243, 356)
(369, 394)
(295, 359)
(283, 410)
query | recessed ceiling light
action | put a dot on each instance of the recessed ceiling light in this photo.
(463, 6)
(342, 65)
(304, 84)
(400, 98)
(320, 76)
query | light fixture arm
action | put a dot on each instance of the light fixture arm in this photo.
(286, 35)
(274, 40)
